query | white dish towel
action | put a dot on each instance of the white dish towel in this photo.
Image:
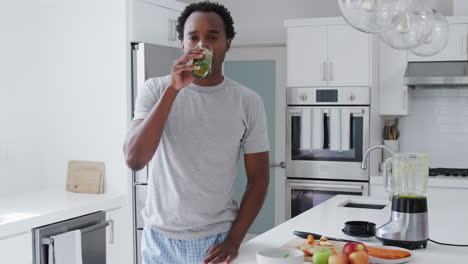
(335, 129)
(317, 129)
(345, 129)
(306, 128)
(66, 248)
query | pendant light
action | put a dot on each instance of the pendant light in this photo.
(437, 38)
(412, 31)
(374, 16)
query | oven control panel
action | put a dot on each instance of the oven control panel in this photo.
(328, 96)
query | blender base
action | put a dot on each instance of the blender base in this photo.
(404, 244)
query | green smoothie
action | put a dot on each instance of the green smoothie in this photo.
(204, 64)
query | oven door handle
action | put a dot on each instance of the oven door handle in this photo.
(326, 111)
(327, 186)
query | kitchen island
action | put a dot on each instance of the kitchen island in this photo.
(448, 218)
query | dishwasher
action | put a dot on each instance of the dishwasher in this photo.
(93, 237)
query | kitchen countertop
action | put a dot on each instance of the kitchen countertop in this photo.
(447, 223)
(22, 212)
(437, 181)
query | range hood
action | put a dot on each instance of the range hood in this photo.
(437, 74)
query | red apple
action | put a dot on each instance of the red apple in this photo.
(359, 257)
(338, 259)
(351, 247)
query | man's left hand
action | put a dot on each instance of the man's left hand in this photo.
(224, 252)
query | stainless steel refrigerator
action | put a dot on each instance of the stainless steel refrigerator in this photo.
(148, 61)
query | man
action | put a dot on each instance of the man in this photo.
(193, 130)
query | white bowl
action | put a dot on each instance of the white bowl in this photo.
(280, 256)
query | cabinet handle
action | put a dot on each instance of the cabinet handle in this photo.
(331, 71)
(169, 29)
(324, 68)
(175, 30)
(111, 231)
(465, 45)
(279, 165)
(172, 30)
(405, 99)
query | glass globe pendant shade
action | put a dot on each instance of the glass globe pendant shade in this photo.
(412, 31)
(437, 39)
(374, 16)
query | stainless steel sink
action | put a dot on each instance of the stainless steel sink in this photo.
(362, 204)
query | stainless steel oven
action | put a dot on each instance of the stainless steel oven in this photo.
(327, 133)
(324, 161)
(303, 194)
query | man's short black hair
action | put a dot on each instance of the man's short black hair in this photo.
(206, 6)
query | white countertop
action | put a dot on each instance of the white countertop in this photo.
(447, 223)
(437, 181)
(22, 212)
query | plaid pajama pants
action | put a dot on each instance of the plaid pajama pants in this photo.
(158, 249)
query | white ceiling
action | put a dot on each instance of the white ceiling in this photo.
(260, 22)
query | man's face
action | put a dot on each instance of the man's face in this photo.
(206, 28)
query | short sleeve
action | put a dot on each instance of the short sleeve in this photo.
(147, 97)
(256, 136)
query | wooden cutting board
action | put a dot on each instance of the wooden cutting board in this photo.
(298, 242)
(85, 176)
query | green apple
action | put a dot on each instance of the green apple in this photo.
(321, 256)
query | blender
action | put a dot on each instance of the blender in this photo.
(407, 186)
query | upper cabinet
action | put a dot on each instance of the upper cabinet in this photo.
(393, 94)
(154, 23)
(348, 56)
(456, 49)
(326, 54)
(307, 56)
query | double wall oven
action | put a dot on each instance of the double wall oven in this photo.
(327, 135)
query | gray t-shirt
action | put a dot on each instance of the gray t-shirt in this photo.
(192, 174)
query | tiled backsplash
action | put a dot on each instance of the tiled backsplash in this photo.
(437, 125)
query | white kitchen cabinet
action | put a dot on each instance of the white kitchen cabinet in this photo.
(348, 56)
(307, 56)
(119, 247)
(16, 249)
(327, 55)
(393, 94)
(154, 24)
(456, 49)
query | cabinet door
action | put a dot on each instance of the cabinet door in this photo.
(119, 246)
(456, 49)
(17, 249)
(307, 56)
(348, 56)
(150, 23)
(393, 94)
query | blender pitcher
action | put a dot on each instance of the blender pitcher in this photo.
(407, 184)
(410, 174)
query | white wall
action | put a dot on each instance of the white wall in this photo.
(437, 125)
(83, 44)
(21, 98)
(63, 91)
(460, 7)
